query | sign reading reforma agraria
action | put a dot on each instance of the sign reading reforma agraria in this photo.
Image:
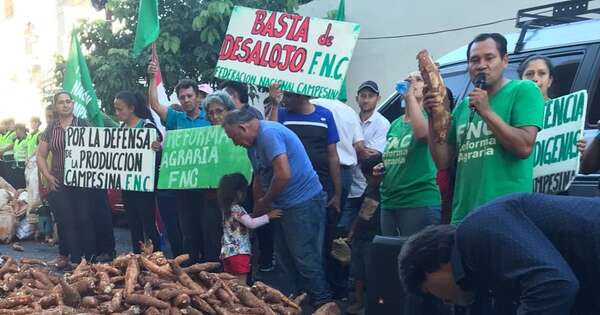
(305, 55)
(110, 158)
(556, 160)
(199, 157)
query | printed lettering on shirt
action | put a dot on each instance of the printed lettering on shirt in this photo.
(475, 142)
(397, 150)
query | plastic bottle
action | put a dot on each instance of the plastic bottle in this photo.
(402, 86)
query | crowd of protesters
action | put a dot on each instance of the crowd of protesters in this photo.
(321, 172)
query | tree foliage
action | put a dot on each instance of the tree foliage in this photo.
(188, 45)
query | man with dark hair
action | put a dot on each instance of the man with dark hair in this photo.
(317, 129)
(493, 130)
(187, 93)
(239, 94)
(187, 219)
(527, 253)
(284, 178)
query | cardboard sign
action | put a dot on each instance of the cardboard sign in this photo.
(199, 157)
(305, 55)
(556, 159)
(110, 158)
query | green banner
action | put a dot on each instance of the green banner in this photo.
(79, 83)
(199, 157)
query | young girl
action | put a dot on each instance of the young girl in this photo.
(235, 251)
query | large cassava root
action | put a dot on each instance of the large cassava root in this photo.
(440, 115)
(134, 284)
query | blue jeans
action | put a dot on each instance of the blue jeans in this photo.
(408, 221)
(349, 212)
(167, 205)
(299, 248)
(346, 216)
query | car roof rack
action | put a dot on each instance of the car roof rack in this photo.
(561, 13)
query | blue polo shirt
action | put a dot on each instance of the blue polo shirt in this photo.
(272, 140)
(179, 120)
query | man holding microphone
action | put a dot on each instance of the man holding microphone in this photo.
(493, 130)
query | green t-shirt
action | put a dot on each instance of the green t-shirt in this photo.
(6, 139)
(32, 142)
(485, 170)
(409, 179)
(20, 149)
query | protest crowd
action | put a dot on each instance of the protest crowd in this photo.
(327, 179)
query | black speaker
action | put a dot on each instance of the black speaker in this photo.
(385, 295)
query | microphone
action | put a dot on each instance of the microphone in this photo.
(480, 83)
(479, 80)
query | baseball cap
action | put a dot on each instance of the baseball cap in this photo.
(371, 85)
(205, 88)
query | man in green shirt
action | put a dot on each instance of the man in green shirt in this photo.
(493, 130)
(7, 137)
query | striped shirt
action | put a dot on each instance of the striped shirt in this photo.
(54, 135)
(316, 130)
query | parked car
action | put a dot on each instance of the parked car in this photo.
(573, 47)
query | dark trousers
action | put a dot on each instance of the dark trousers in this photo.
(346, 218)
(336, 273)
(265, 233)
(298, 246)
(167, 205)
(103, 224)
(201, 224)
(16, 175)
(73, 213)
(139, 209)
(5, 165)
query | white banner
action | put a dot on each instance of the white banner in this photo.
(556, 159)
(308, 56)
(110, 158)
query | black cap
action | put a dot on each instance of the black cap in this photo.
(370, 85)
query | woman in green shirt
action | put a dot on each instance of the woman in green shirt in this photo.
(410, 197)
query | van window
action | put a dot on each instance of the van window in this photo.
(594, 107)
(565, 69)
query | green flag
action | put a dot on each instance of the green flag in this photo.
(78, 82)
(341, 16)
(148, 28)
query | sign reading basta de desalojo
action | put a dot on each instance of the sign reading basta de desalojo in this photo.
(304, 55)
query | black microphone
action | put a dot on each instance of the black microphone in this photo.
(478, 82)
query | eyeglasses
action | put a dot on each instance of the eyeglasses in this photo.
(215, 112)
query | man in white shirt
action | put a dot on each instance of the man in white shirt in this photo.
(374, 129)
(350, 145)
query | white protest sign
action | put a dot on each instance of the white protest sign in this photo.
(308, 56)
(110, 158)
(556, 159)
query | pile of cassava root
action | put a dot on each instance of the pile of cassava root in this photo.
(135, 284)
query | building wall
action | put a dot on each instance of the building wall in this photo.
(33, 32)
(388, 60)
